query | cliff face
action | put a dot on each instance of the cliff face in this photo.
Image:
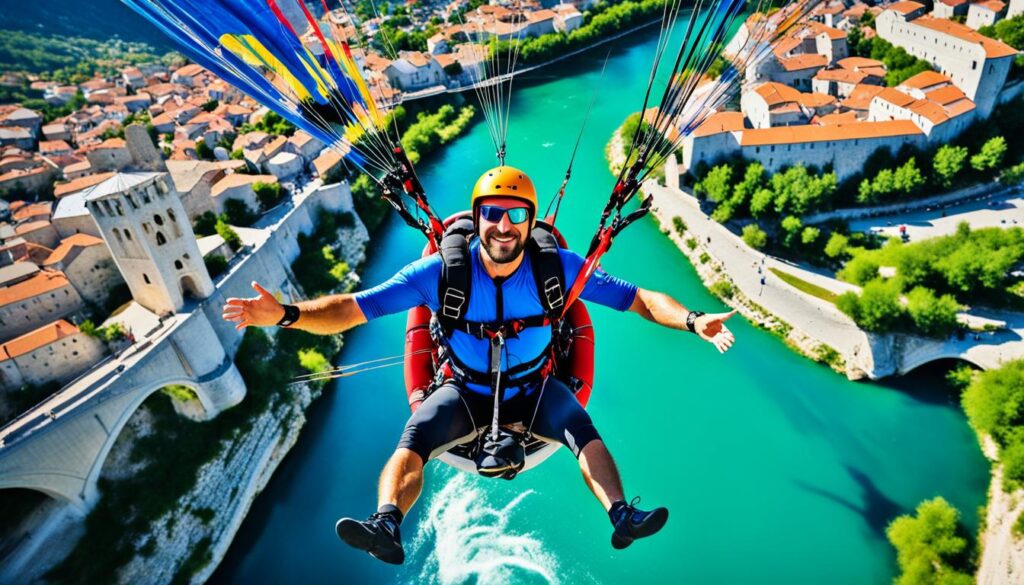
(192, 539)
(187, 544)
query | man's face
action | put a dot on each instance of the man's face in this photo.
(503, 240)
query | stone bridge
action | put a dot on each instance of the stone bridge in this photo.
(59, 446)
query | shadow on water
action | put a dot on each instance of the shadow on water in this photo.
(875, 508)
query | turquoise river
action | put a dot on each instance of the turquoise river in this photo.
(774, 468)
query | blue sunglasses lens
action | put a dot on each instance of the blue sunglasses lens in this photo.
(493, 213)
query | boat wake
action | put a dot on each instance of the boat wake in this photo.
(464, 539)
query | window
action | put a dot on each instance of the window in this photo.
(178, 264)
(127, 234)
(159, 220)
(160, 239)
(145, 277)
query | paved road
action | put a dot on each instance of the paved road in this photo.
(811, 315)
(1001, 211)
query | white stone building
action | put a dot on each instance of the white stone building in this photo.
(842, 147)
(57, 351)
(985, 13)
(774, 104)
(976, 64)
(414, 71)
(144, 224)
(86, 262)
(36, 301)
(239, 186)
(929, 100)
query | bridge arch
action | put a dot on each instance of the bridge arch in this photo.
(90, 492)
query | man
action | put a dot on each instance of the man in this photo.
(504, 206)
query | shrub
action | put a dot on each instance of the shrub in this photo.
(754, 236)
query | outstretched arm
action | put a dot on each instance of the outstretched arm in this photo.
(664, 310)
(324, 316)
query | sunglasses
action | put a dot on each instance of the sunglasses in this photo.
(494, 213)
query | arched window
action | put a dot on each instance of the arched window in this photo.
(117, 235)
(127, 234)
(145, 277)
(178, 264)
(159, 220)
(160, 239)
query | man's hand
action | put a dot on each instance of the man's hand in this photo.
(711, 328)
(261, 311)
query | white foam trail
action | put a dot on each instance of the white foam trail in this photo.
(468, 540)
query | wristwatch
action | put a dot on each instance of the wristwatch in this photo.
(691, 320)
(291, 315)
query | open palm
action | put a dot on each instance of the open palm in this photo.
(711, 328)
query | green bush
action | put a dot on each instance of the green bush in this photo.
(215, 264)
(268, 194)
(229, 234)
(930, 546)
(837, 246)
(237, 212)
(679, 225)
(723, 289)
(754, 236)
(991, 154)
(949, 161)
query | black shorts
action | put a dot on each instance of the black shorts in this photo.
(452, 415)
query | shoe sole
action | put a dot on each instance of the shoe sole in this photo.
(352, 533)
(659, 516)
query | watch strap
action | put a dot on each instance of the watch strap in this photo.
(691, 320)
(291, 315)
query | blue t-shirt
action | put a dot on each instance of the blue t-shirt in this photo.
(417, 284)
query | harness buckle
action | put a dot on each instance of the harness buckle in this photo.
(453, 301)
(553, 292)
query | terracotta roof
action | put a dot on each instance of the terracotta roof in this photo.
(41, 283)
(31, 226)
(926, 79)
(905, 7)
(326, 161)
(820, 29)
(799, 134)
(80, 183)
(719, 122)
(801, 62)
(861, 96)
(189, 70)
(68, 243)
(946, 95)
(841, 75)
(833, 119)
(815, 100)
(954, 3)
(993, 49)
(237, 180)
(47, 146)
(24, 211)
(776, 93)
(895, 97)
(33, 340)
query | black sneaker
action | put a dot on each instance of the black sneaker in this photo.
(378, 535)
(631, 523)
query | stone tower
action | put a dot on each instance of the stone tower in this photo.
(141, 218)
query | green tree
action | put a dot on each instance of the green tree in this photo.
(754, 236)
(877, 308)
(932, 315)
(716, 185)
(991, 154)
(948, 162)
(791, 226)
(229, 234)
(761, 202)
(837, 245)
(268, 194)
(809, 235)
(929, 546)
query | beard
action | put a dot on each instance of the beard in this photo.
(503, 253)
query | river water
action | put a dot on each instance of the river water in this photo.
(774, 469)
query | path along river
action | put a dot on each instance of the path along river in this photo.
(775, 469)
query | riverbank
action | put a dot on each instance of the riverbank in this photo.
(1002, 550)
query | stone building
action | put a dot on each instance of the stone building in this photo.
(36, 301)
(144, 224)
(55, 352)
(975, 63)
(87, 263)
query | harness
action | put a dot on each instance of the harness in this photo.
(454, 294)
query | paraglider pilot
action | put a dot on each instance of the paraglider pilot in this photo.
(503, 275)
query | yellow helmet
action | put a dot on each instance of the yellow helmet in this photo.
(505, 181)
